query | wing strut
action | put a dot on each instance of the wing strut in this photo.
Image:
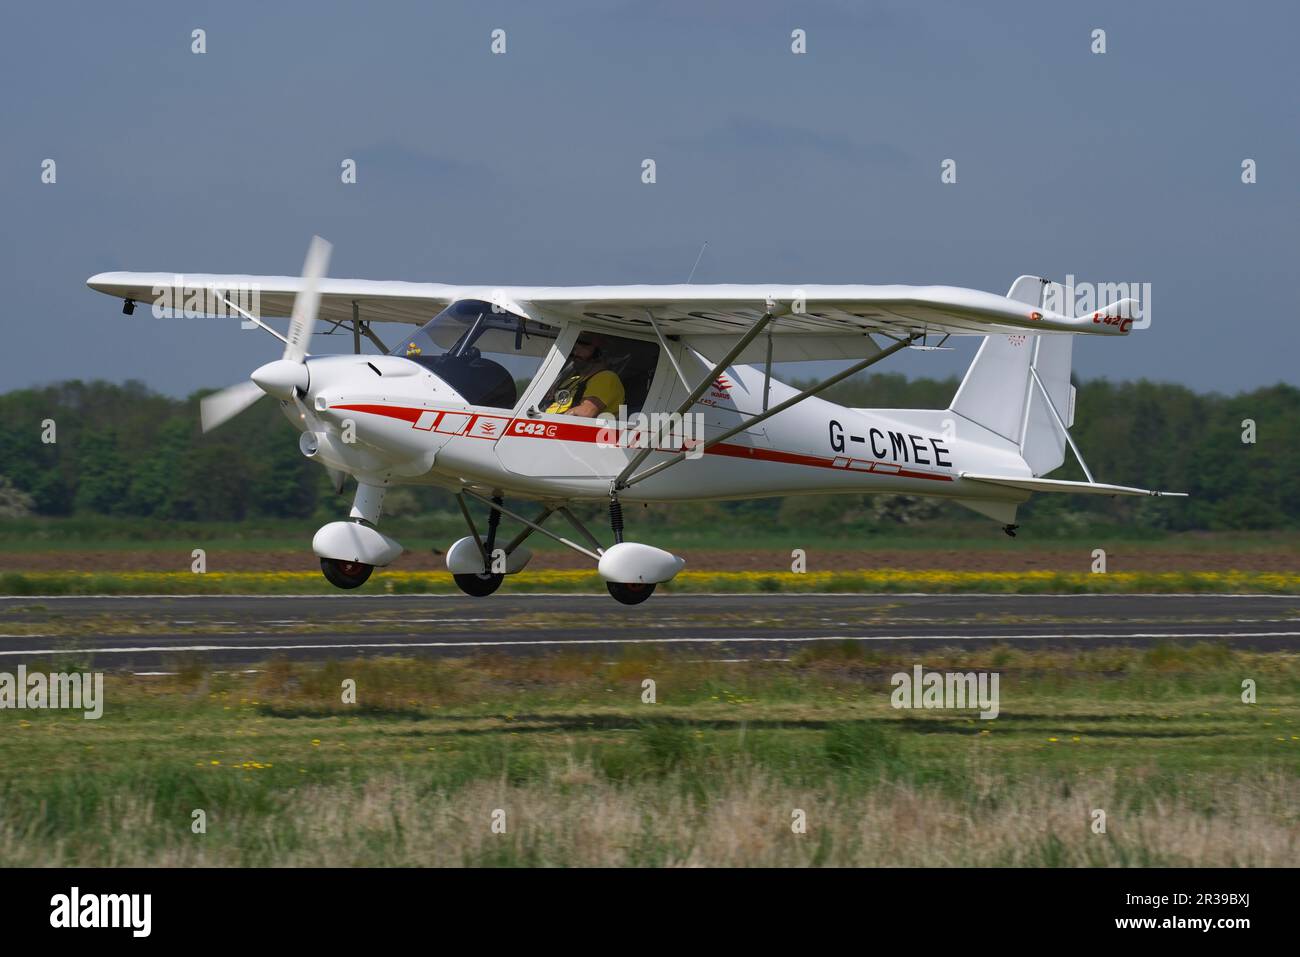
(623, 482)
(360, 328)
(221, 294)
(767, 372)
(663, 344)
(750, 335)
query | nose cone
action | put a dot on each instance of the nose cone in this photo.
(281, 378)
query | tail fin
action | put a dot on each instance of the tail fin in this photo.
(999, 394)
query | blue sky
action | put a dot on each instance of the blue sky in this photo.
(526, 167)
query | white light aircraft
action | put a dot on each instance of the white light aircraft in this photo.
(628, 394)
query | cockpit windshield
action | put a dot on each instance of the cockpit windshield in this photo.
(486, 354)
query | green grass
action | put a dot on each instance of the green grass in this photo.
(683, 527)
(566, 582)
(589, 774)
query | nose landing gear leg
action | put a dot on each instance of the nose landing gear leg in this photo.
(352, 572)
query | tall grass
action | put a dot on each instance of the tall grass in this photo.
(572, 814)
(710, 774)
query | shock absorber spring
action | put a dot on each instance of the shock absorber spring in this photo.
(616, 518)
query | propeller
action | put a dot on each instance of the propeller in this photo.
(286, 376)
(228, 403)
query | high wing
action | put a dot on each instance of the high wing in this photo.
(813, 309)
(377, 300)
(812, 322)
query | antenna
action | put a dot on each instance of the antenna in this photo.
(697, 262)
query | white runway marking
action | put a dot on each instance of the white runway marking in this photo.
(420, 621)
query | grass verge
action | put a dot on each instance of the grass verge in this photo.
(566, 753)
(866, 581)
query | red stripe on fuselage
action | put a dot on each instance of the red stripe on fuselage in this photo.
(575, 432)
(392, 411)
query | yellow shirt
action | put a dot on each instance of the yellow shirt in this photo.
(604, 385)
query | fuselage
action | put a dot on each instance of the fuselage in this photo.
(389, 420)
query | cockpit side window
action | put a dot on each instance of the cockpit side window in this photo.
(486, 354)
(605, 376)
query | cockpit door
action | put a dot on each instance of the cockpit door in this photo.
(546, 445)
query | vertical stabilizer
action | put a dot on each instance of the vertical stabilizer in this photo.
(999, 392)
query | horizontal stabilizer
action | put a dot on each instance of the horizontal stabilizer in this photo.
(1028, 484)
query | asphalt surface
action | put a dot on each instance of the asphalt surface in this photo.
(143, 633)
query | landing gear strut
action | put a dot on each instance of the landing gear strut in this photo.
(482, 584)
(616, 517)
(630, 570)
(357, 538)
(628, 593)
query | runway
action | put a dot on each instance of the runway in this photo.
(142, 632)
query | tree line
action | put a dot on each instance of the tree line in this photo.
(98, 448)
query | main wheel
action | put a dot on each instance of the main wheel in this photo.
(630, 593)
(345, 574)
(479, 586)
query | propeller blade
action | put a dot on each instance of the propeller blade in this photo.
(306, 303)
(337, 479)
(229, 402)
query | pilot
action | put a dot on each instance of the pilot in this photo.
(587, 386)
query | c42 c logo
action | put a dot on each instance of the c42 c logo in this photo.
(1124, 323)
(534, 428)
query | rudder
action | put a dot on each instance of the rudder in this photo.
(999, 393)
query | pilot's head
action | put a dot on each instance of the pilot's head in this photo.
(590, 346)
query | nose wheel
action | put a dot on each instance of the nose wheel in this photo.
(478, 586)
(343, 574)
(630, 593)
